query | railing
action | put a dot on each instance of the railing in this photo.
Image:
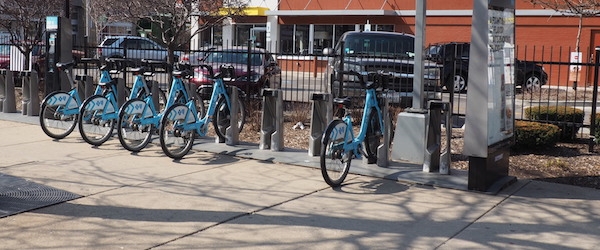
(568, 83)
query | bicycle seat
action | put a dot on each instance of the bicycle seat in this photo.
(64, 65)
(181, 73)
(138, 70)
(346, 101)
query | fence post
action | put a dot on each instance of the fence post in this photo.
(594, 100)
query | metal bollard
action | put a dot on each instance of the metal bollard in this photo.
(154, 89)
(232, 133)
(432, 161)
(26, 91)
(9, 105)
(271, 134)
(319, 118)
(383, 150)
(33, 108)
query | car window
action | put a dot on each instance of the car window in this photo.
(379, 45)
(4, 50)
(234, 57)
(143, 44)
(132, 44)
(109, 41)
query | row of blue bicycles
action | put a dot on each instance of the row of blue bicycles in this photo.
(178, 117)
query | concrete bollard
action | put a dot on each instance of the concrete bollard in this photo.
(319, 118)
(26, 91)
(33, 108)
(9, 105)
(271, 134)
(2, 87)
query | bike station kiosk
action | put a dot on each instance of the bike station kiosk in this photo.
(489, 124)
(59, 48)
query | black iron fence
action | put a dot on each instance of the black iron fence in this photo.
(545, 76)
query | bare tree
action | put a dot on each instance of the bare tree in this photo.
(104, 12)
(579, 8)
(173, 17)
(25, 21)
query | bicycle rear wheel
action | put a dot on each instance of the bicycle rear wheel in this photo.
(94, 129)
(373, 138)
(133, 135)
(174, 140)
(335, 162)
(223, 117)
(53, 121)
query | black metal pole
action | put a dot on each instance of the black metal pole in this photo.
(594, 100)
(68, 8)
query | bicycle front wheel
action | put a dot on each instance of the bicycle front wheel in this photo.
(223, 117)
(94, 127)
(335, 161)
(175, 141)
(133, 135)
(53, 120)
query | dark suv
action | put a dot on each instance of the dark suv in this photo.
(369, 52)
(453, 57)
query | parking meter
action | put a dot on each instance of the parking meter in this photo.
(58, 48)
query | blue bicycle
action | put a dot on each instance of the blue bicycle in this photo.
(99, 113)
(340, 145)
(139, 117)
(180, 124)
(60, 110)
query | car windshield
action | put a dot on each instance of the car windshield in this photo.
(109, 41)
(386, 46)
(233, 57)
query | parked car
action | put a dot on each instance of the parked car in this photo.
(233, 64)
(196, 56)
(377, 51)
(453, 58)
(134, 48)
(4, 56)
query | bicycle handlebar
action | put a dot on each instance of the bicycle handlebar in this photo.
(379, 79)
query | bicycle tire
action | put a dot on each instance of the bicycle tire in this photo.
(174, 142)
(223, 117)
(52, 120)
(373, 137)
(335, 164)
(132, 135)
(94, 130)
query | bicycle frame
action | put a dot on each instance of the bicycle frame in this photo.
(200, 126)
(355, 144)
(70, 102)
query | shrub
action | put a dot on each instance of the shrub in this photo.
(535, 134)
(568, 119)
(596, 127)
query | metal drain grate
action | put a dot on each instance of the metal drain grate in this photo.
(18, 195)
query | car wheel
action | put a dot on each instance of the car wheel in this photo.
(532, 82)
(460, 83)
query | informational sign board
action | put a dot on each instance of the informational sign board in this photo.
(574, 69)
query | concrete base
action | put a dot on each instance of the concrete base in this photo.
(409, 137)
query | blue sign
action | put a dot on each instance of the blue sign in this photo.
(52, 23)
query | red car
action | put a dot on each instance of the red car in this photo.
(232, 63)
(4, 56)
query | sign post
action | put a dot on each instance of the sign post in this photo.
(489, 123)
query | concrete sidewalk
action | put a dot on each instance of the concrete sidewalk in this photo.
(69, 195)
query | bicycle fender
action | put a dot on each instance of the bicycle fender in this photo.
(180, 113)
(339, 134)
(59, 99)
(100, 103)
(137, 107)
